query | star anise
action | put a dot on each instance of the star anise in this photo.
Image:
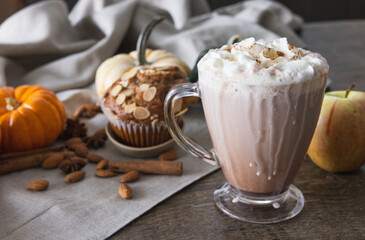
(74, 127)
(87, 111)
(72, 164)
(97, 139)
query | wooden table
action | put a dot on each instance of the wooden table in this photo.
(334, 203)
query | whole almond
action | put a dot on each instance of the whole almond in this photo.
(94, 158)
(73, 146)
(38, 185)
(73, 141)
(103, 164)
(131, 176)
(81, 150)
(125, 191)
(168, 156)
(105, 173)
(68, 154)
(75, 176)
(53, 161)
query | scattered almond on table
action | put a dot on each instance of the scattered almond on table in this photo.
(53, 161)
(125, 191)
(94, 158)
(103, 164)
(75, 176)
(72, 161)
(168, 156)
(102, 173)
(38, 185)
(80, 148)
(71, 141)
(129, 177)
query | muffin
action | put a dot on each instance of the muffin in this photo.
(134, 105)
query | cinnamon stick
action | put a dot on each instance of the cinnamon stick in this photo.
(30, 152)
(152, 167)
(25, 162)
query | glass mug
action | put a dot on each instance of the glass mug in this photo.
(260, 136)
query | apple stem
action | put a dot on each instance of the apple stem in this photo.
(349, 89)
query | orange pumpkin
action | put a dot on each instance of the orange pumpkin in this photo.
(30, 117)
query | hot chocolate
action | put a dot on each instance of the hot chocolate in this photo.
(261, 102)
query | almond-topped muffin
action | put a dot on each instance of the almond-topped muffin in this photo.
(134, 106)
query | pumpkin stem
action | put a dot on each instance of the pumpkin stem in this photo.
(12, 103)
(143, 40)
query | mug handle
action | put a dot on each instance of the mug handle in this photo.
(181, 91)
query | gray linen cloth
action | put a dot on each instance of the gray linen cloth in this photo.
(44, 44)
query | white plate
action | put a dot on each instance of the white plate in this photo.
(139, 152)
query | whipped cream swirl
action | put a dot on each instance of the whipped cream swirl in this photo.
(263, 63)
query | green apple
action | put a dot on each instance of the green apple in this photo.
(338, 144)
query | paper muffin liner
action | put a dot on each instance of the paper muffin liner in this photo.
(137, 134)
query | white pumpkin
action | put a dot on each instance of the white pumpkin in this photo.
(125, 66)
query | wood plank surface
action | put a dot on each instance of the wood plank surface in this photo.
(334, 203)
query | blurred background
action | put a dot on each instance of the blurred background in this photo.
(316, 10)
(309, 10)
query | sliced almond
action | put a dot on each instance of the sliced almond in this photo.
(154, 116)
(120, 99)
(128, 75)
(127, 92)
(149, 71)
(181, 112)
(116, 90)
(144, 87)
(177, 105)
(154, 122)
(141, 113)
(270, 53)
(149, 94)
(124, 83)
(267, 64)
(129, 108)
(187, 101)
(256, 48)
